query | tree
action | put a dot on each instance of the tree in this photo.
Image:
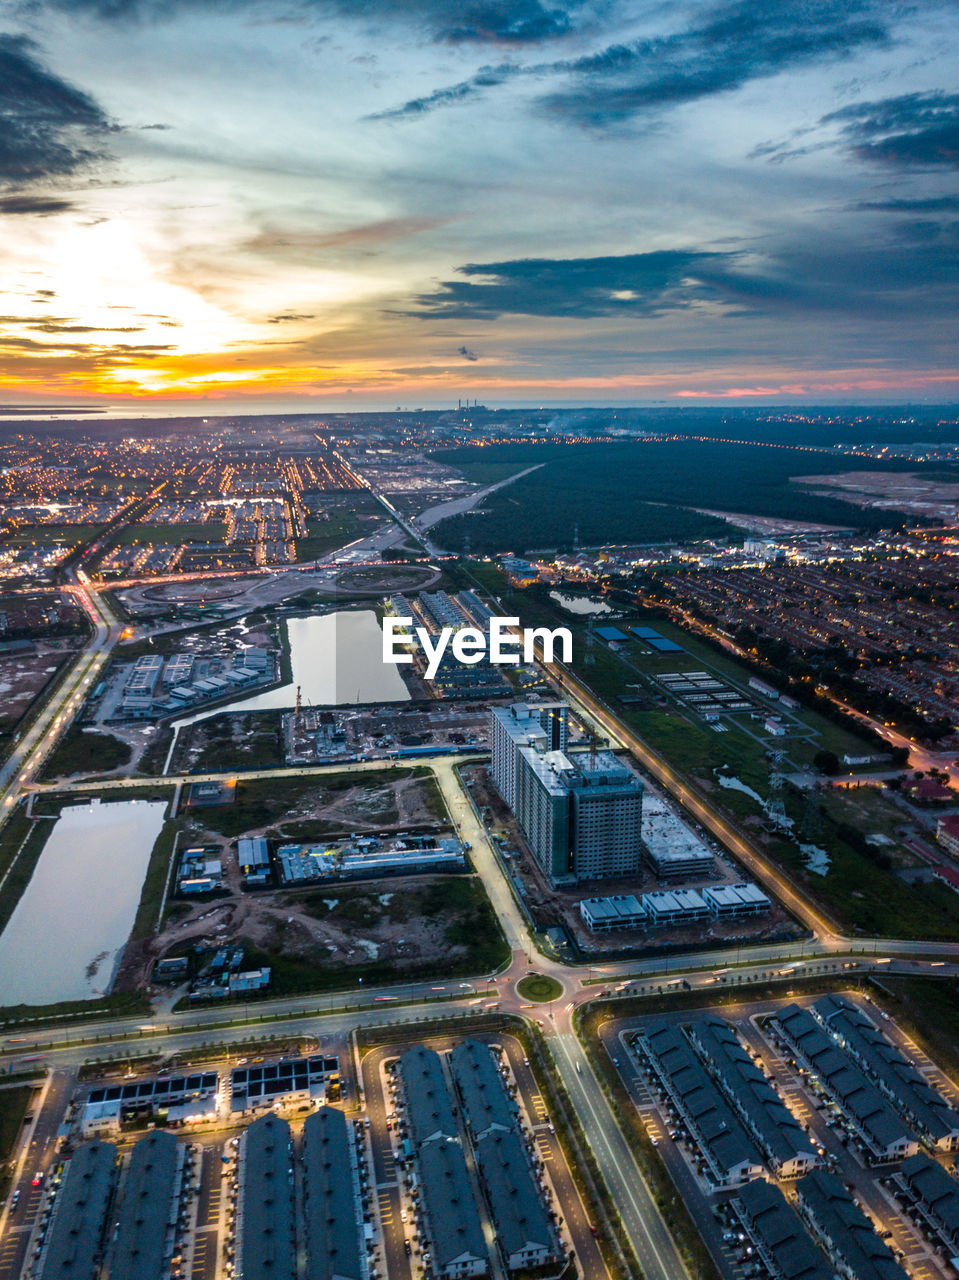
(826, 762)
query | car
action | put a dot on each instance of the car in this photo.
(408, 1247)
(594, 1230)
(15, 1199)
(404, 1216)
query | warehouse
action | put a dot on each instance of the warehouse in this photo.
(723, 1141)
(332, 1200)
(486, 1102)
(935, 1195)
(844, 1231)
(763, 1112)
(289, 1080)
(451, 1226)
(726, 900)
(145, 1238)
(622, 911)
(877, 1122)
(429, 1112)
(674, 906)
(74, 1240)
(525, 1233)
(264, 1222)
(253, 857)
(891, 1070)
(780, 1238)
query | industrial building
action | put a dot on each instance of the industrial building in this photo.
(253, 857)
(890, 1070)
(332, 1200)
(782, 1244)
(845, 1233)
(621, 911)
(145, 1239)
(934, 1194)
(524, 724)
(581, 815)
(287, 1081)
(674, 906)
(879, 1125)
(75, 1235)
(670, 847)
(264, 1243)
(174, 1100)
(726, 1147)
(367, 858)
(787, 1147)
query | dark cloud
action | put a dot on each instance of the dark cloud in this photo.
(467, 354)
(921, 204)
(285, 316)
(914, 129)
(506, 22)
(636, 283)
(731, 45)
(40, 205)
(48, 128)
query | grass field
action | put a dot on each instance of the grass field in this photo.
(80, 751)
(539, 987)
(174, 534)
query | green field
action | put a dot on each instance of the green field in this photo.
(641, 492)
(172, 534)
(539, 988)
(81, 751)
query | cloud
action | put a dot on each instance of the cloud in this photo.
(914, 129)
(467, 354)
(42, 206)
(636, 283)
(921, 204)
(286, 316)
(507, 22)
(735, 43)
(281, 243)
(48, 128)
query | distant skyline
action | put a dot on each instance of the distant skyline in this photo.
(326, 204)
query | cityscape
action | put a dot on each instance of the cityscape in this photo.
(479, 640)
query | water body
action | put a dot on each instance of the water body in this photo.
(336, 658)
(67, 931)
(580, 604)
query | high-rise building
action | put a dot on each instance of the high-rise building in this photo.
(582, 815)
(524, 724)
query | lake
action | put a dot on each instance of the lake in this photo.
(580, 604)
(68, 929)
(335, 658)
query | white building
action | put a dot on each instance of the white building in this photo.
(622, 911)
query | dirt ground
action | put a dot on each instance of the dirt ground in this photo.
(549, 906)
(23, 676)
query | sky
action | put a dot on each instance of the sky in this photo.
(325, 204)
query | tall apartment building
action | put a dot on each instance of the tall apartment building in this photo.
(524, 724)
(582, 815)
